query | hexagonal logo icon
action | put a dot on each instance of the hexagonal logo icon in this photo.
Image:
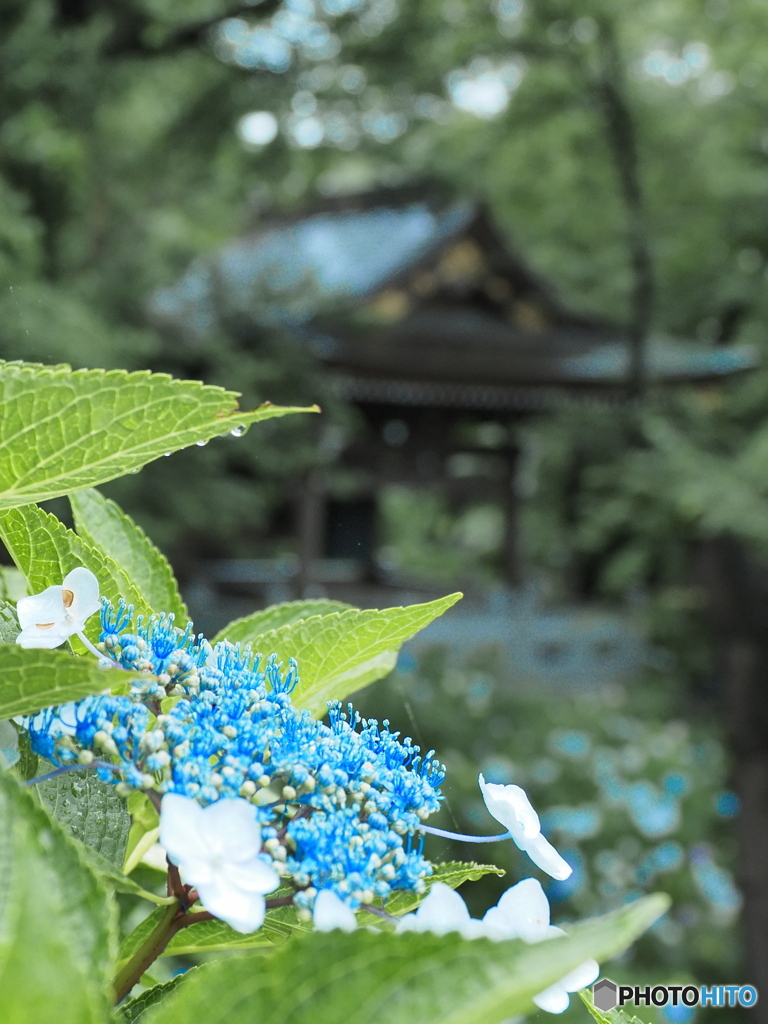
(605, 994)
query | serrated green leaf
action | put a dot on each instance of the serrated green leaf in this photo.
(615, 1016)
(132, 1011)
(34, 679)
(280, 923)
(452, 873)
(104, 525)
(57, 922)
(340, 653)
(13, 586)
(45, 551)
(247, 629)
(213, 936)
(63, 430)
(115, 879)
(9, 623)
(90, 810)
(26, 767)
(376, 978)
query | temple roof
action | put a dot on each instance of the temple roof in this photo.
(412, 305)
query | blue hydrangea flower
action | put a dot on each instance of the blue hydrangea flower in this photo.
(338, 803)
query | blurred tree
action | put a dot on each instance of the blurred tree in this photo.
(623, 145)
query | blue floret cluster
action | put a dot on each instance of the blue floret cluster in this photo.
(338, 802)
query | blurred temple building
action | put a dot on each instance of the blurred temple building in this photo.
(443, 339)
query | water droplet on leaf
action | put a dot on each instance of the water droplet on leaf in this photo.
(239, 430)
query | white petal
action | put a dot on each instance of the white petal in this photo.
(181, 824)
(85, 591)
(553, 999)
(255, 876)
(231, 830)
(442, 911)
(332, 912)
(242, 911)
(198, 871)
(510, 806)
(498, 926)
(45, 638)
(44, 607)
(408, 923)
(474, 929)
(42, 618)
(544, 855)
(580, 976)
(522, 911)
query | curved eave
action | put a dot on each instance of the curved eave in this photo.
(666, 361)
(598, 377)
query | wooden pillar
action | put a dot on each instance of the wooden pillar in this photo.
(311, 501)
(511, 505)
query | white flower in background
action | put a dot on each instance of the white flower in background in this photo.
(216, 849)
(442, 911)
(523, 913)
(510, 806)
(51, 617)
(331, 912)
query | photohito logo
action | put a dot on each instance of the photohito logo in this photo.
(606, 995)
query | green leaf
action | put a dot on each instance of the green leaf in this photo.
(90, 810)
(376, 978)
(615, 1016)
(45, 551)
(9, 623)
(62, 430)
(104, 525)
(280, 924)
(27, 765)
(116, 880)
(342, 652)
(246, 630)
(452, 873)
(13, 586)
(133, 1010)
(133, 941)
(36, 678)
(144, 830)
(57, 922)
(9, 745)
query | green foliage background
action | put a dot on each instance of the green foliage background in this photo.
(120, 163)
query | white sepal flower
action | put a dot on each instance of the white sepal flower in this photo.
(442, 911)
(510, 806)
(523, 913)
(331, 912)
(51, 617)
(216, 849)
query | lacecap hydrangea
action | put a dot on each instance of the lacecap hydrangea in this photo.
(339, 804)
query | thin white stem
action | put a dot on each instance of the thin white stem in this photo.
(462, 838)
(99, 654)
